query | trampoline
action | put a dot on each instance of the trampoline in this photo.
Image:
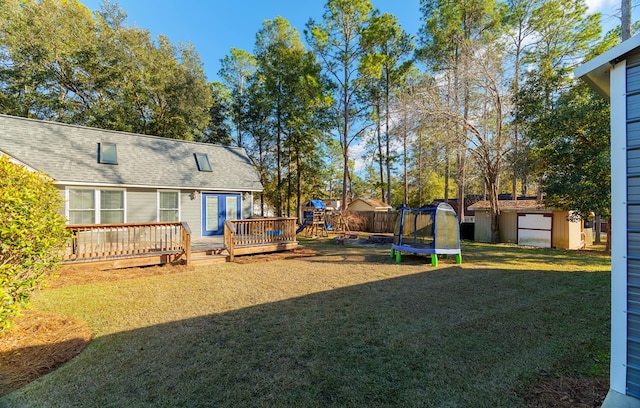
(432, 229)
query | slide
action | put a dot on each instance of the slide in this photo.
(302, 226)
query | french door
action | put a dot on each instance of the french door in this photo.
(216, 208)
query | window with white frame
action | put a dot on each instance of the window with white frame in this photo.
(168, 206)
(82, 207)
(111, 206)
(96, 206)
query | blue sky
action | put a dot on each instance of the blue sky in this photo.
(215, 26)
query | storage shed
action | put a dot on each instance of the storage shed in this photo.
(367, 204)
(527, 222)
(616, 75)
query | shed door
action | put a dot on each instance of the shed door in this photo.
(535, 230)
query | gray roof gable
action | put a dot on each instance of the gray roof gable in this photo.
(69, 155)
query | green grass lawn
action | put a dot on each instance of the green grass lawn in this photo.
(346, 328)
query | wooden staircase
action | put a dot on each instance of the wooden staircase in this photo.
(209, 257)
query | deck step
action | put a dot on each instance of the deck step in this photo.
(204, 259)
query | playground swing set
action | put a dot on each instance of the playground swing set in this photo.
(318, 220)
(432, 229)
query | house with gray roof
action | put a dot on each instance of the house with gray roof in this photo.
(109, 177)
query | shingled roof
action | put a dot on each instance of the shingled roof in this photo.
(69, 155)
(510, 205)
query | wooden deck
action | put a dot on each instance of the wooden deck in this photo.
(254, 236)
(115, 246)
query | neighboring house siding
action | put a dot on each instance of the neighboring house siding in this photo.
(508, 227)
(141, 205)
(560, 232)
(359, 205)
(633, 226)
(482, 232)
(566, 234)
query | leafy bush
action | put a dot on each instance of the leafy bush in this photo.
(32, 233)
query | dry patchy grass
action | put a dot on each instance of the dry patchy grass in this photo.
(43, 341)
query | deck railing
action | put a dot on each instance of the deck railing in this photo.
(258, 231)
(95, 242)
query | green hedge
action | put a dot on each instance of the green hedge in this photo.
(32, 233)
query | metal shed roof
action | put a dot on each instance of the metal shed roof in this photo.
(596, 71)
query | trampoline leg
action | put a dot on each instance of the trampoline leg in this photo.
(458, 259)
(398, 257)
(392, 253)
(434, 260)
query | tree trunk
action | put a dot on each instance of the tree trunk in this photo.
(406, 176)
(279, 164)
(380, 153)
(387, 139)
(609, 235)
(345, 143)
(460, 179)
(494, 209)
(626, 20)
(298, 187)
(289, 192)
(447, 172)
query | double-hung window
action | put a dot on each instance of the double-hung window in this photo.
(82, 206)
(168, 206)
(88, 206)
(111, 206)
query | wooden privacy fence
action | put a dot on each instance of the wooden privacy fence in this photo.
(378, 221)
(258, 235)
(97, 242)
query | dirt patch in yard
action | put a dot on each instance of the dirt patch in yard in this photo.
(38, 344)
(274, 256)
(71, 276)
(568, 393)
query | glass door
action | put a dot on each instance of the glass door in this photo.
(216, 208)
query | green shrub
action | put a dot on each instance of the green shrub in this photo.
(32, 233)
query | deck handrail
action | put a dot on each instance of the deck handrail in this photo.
(94, 242)
(258, 231)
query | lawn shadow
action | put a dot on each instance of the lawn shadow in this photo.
(444, 337)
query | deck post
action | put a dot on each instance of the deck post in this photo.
(229, 238)
(186, 241)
